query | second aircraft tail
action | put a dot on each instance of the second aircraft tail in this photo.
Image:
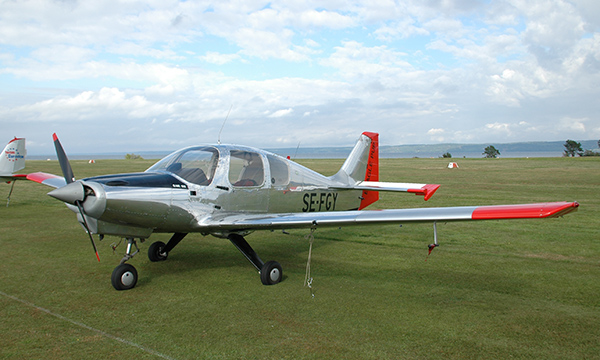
(13, 157)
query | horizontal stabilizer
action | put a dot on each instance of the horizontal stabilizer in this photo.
(9, 178)
(426, 190)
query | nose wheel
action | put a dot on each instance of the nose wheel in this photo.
(124, 277)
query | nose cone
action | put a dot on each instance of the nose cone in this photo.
(69, 193)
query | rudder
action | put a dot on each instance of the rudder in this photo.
(13, 156)
(362, 165)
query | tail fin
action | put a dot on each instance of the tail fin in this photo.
(13, 156)
(362, 165)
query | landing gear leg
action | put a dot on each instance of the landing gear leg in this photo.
(435, 242)
(10, 193)
(124, 276)
(270, 272)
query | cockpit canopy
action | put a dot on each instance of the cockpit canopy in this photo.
(196, 164)
(246, 167)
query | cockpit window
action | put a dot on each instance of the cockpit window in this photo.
(280, 172)
(196, 165)
(246, 169)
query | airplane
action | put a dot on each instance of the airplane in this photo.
(11, 161)
(229, 191)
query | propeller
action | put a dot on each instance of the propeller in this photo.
(65, 166)
(73, 192)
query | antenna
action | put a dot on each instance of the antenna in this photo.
(297, 147)
(222, 126)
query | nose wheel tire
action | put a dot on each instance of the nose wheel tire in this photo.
(271, 273)
(124, 277)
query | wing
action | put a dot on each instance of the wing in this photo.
(241, 222)
(52, 180)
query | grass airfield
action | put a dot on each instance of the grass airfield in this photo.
(493, 289)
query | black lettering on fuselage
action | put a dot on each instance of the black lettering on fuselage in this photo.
(319, 202)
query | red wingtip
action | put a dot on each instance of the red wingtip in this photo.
(54, 137)
(524, 211)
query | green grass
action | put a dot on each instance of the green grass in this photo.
(493, 290)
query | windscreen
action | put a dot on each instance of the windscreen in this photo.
(196, 165)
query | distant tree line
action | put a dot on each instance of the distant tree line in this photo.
(573, 148)
(488, 152)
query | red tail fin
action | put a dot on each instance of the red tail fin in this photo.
(372, 174)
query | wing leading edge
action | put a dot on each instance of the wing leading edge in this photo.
(52, 180)
(239, 222)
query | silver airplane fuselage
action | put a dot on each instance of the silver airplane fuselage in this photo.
(181, 190)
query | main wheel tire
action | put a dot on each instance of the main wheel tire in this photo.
(271, 273)
(124, 277)
(155, 252)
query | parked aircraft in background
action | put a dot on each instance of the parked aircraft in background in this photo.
(230, 191)
(11, 161)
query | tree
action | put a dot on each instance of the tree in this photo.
(133, 156)
(572, 147)
(447, 155)
(491, 152)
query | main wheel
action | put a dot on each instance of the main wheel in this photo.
(124, 277)
(271, 273)
(155, 252)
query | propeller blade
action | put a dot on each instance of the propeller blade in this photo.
(72, 193)
(63, 160)
(80, 207)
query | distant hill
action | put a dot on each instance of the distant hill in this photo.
(519, 149)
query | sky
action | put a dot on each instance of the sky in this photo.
(127, 76)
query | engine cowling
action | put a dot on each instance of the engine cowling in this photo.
(90, 194)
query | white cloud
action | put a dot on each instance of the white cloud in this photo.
(437, 135)
(573, 125)
(219, 59)
(414, 71)
(435, 131)
(499, 127)
(281, 113)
